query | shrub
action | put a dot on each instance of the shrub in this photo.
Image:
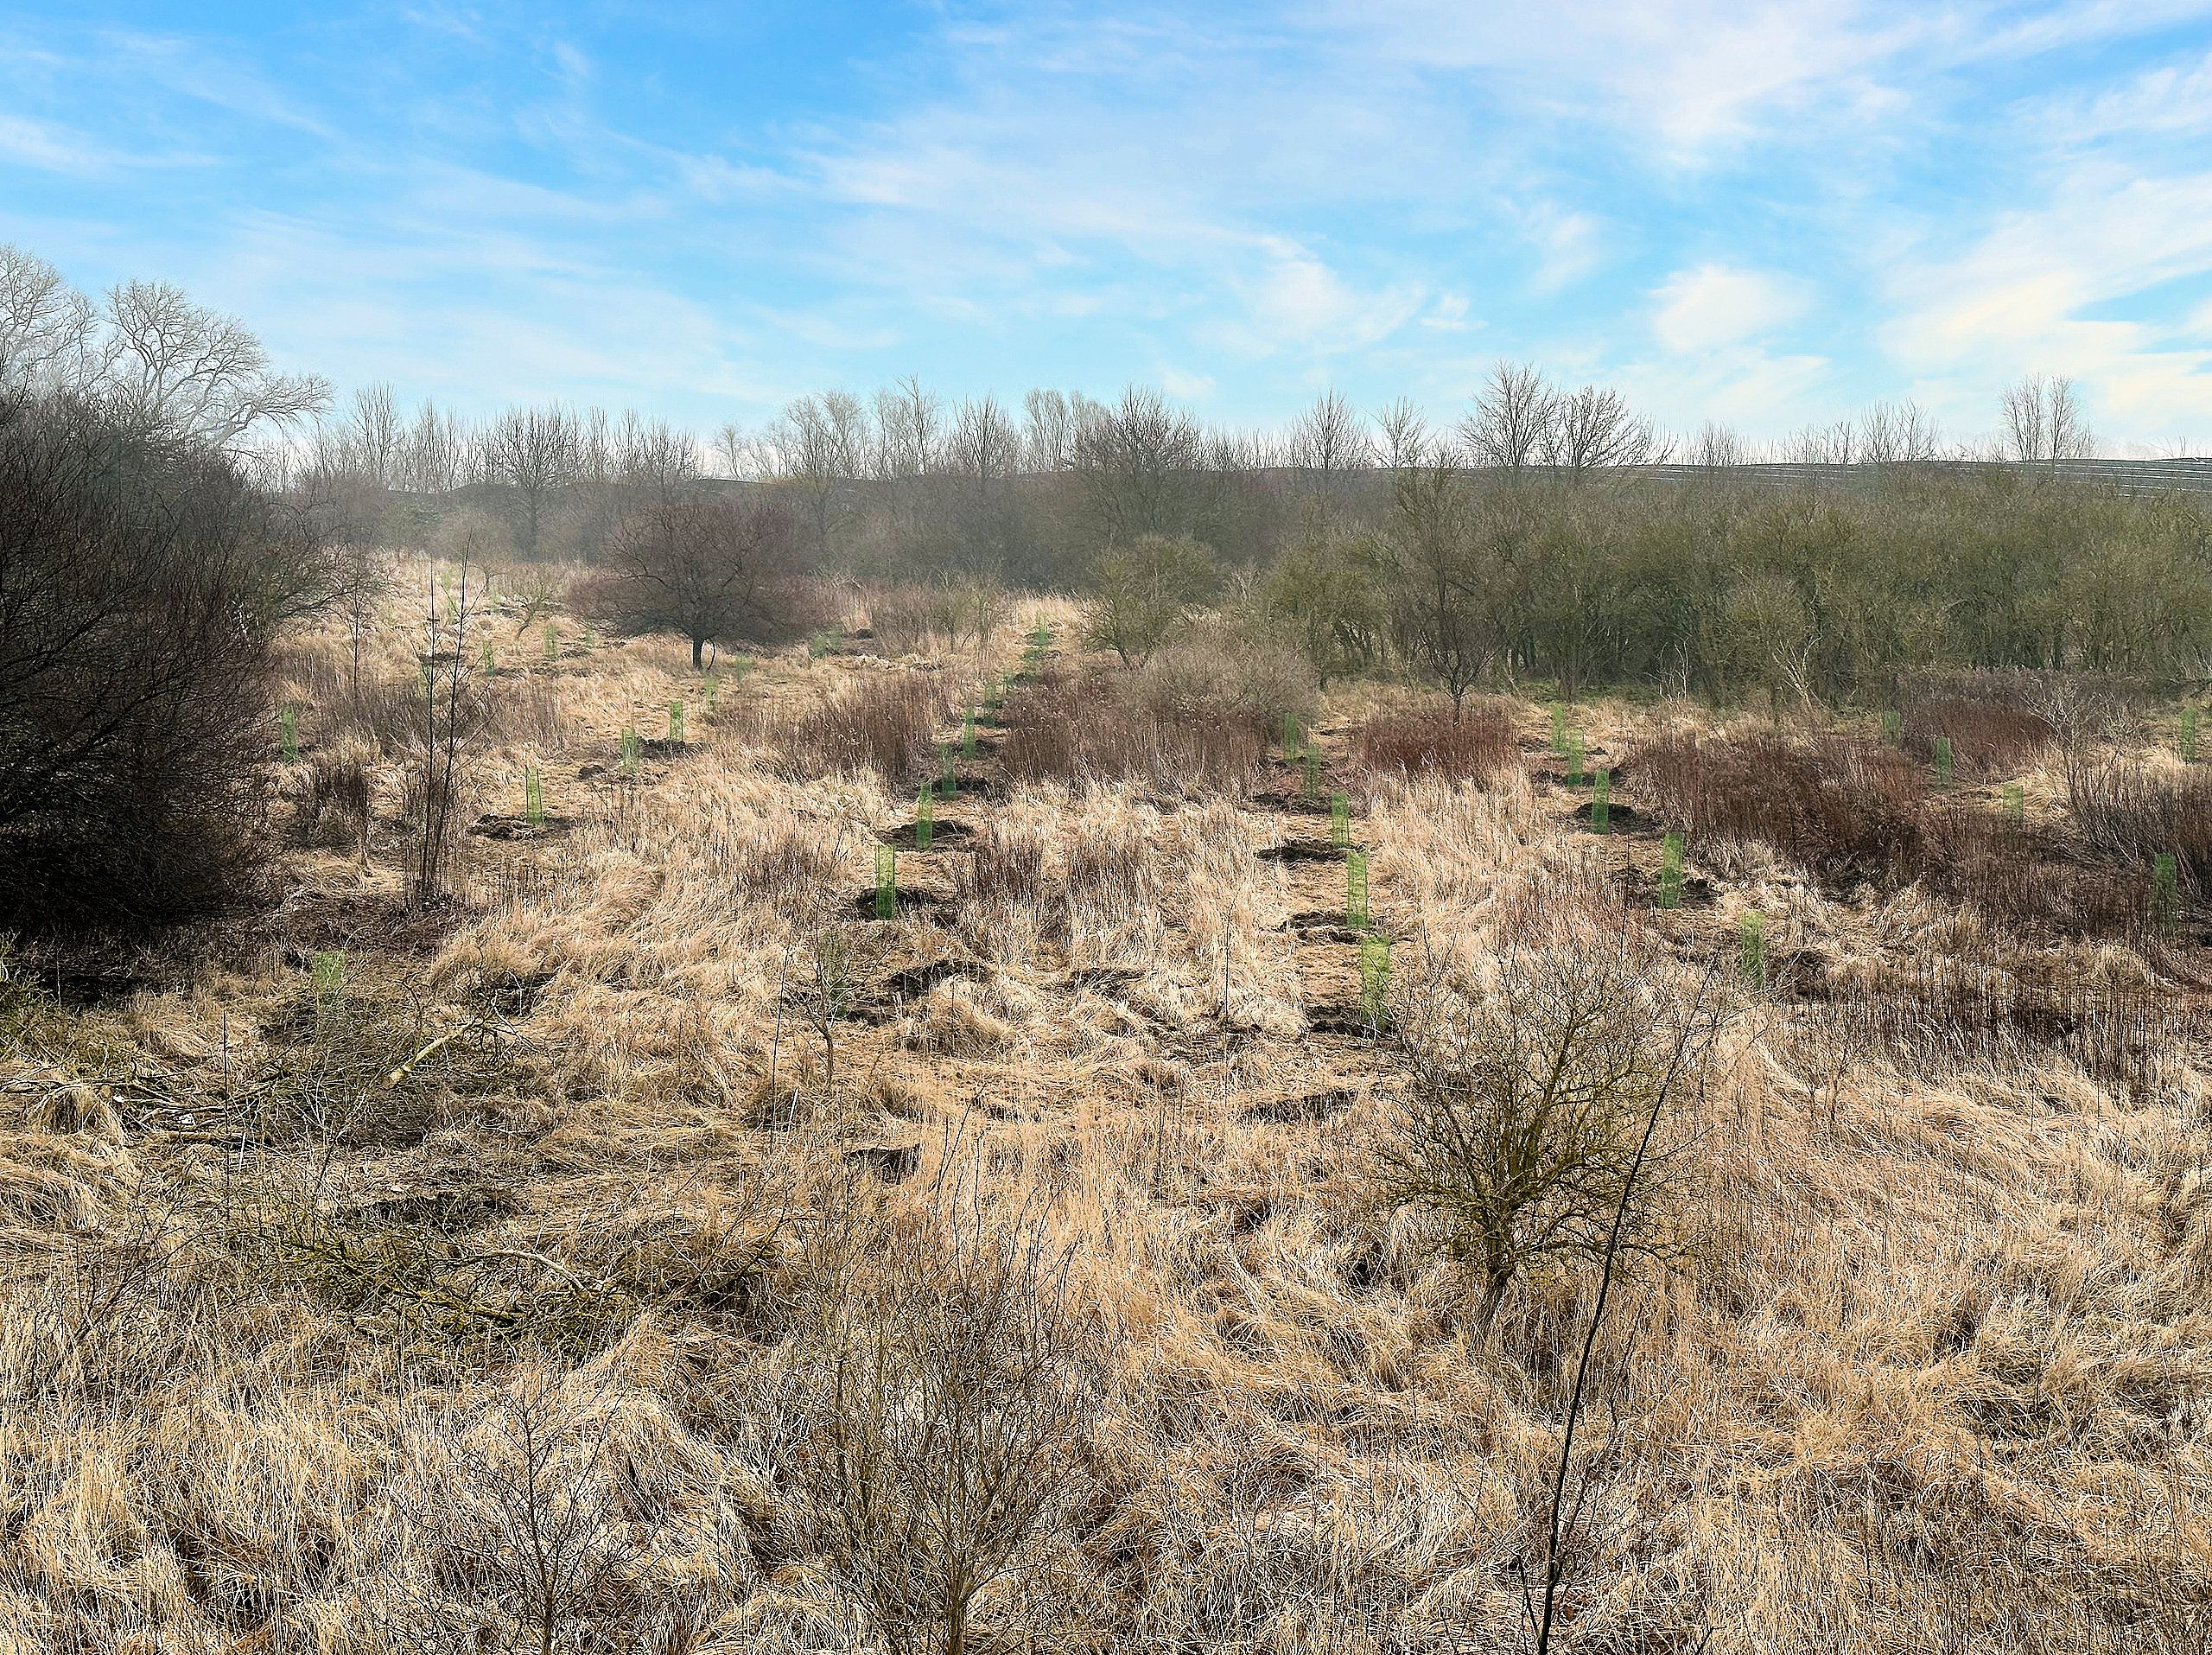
(2129, 810)
(1992, 729)
(1237, 667)
(142, 584)
(1084, 729)
(961, 611)
(1832, 803)
(1411, 742)
(885, 724)
(1535, 1111)
(1145, 592)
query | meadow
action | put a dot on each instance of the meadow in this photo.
(733, 1217)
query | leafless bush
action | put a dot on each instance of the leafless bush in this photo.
(1991, 720)
(1534, 1107)
(1238, 668)
(1078, 728)
(885, 724)
(510, 1525)
(1481, 744)
(146, 581)
(961, 612)
(2128, 811)
(1830, 802)
(948, 1406)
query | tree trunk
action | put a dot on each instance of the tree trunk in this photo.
(698, 652)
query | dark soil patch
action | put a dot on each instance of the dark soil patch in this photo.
(1301, 850)
(891, 1162)
(519, 827)
(1340, 1020)
(1621, 818)
(944, 836)
(863, 905)
(1313, 1106)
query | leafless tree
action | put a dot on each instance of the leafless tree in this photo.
(825, 441)
(536, 453)
(47, 326)
(1593, 430)
(1716, 448)
(1897, 434)
(437, 454)
(2044, 422)
(1439, 572)
(175, 367)
(1327, 437)
(1048, 430)
(1138, 461)
(714, 569)
(1832, 444)
(1513, 419)
(372, 437)
(1404, 432)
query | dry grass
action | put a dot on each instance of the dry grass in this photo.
(296, 1355)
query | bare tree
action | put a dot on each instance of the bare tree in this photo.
(174, 366)
(372, 437)
(1404, 432)
(653, 456)
(1593, 429)
(1513, 416)
(1439, 572)
(534, 452)
(2044, 422)
(1897, 434)
(437, 454)
(1049, 430)
(714, 569)
(1716, 448)
(47, 326)
(1327, 438)
(1138, 461)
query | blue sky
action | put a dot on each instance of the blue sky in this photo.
(1761, 214)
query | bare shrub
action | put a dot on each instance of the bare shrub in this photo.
(1990, 719)
(2126, 810)
(946, 1413)
(145, 583)
(1832, 803)
(887, 724)
(1480, 744)
(515, 1512)
(1083, 728)
(1239, 667)
(961, 612)
(1535, 1106)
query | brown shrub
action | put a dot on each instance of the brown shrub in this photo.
(1833, 803)
(2131, 811)
(1417, 742)
(1992, 728)
(885, 724)
(1075, 729)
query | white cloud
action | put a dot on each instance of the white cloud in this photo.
(1719, 304)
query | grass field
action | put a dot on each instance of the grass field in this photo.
(650, 1248)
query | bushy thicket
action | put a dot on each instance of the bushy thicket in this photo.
(142, 580)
